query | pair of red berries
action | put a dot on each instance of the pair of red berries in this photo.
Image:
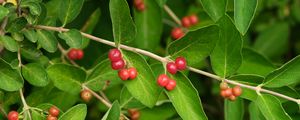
(86, 95)
(179, 64)
(164, 81)
(129, 73)
(75, 54)
(13, 115)
(53, 113)
(139, 5)
(189, 21)
(134, 114)
(230, 93)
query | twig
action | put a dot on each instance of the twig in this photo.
(104, 96)
(106, 103)
(3, 111)
(172, 15)
(3, 25)
(64, 54)
(164, 60)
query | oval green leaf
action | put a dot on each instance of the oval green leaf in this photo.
(9, 43)
(254, 112)
(10, 79)
(47, 40)
(214, 8)
(113, 113)
(30, 34)
(69, 10)
(35, 74)
(3, 12)
(73, 38)
(77, 112)
(234, 110)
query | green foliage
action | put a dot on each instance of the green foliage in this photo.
(77, 112)
(69, 10)
(35, 74)
(113, 113)
(73, 38)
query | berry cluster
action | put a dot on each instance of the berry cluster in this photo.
(13, 115)
(230, 93)
(139, 5)
(53, 113)
(118, 63)
(164, 81)
(86, 95)
(134, 114)
(179, 64)
(189, 21)
(75, 54)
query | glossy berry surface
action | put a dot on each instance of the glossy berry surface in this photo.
(117, 65)
(132, 73)
(86, 95)
(193, 19)
(237, 91)
(123, 74)
(171, 85)
(185, 21)
(50, 117)
(180, 63)
(80, 54)
(75, 54)
(13, 115)
(162, 80)
(227, 92)
(114, 55)
(177, 33)
(171, 68)
(54, 111)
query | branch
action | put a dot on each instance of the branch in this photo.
(165, 60)
(172, 15)
(106, 103)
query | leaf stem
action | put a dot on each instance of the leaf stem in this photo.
(164, 60)
(172, 15)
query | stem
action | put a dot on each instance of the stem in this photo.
(165, 60)
(104, 96)
(25, 106)
(63, 55)
(172, 15)
(106, 103)
(3, 25)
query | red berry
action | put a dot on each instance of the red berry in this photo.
(193, 19)
(54, 111)
(117, 65)
(171, 85)
(123, 74)
(138, 2)
(162, 80)
(223, 93)
(171, 68)
(180, 63)
(13, 115)
(237, 91)
(177, 33)
(86, 95)
(227, 92)
(141, 7)
(223, 86)
(50, 117)
(132, 73)
(114, 55)
(232, 98)
(72, 54)
(185, 21)
(80, 54)
(134, 114)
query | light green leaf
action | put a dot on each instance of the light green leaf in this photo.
(47, 40)
(73, 38)
(128, 101)
(35, 74)
(287, 74)
(69, 10)
(113, 113)
(234, 110)
(144, 87)
(254, 112)
(123, 25)
(9, 43)
(244, 11)
(10, 79)
(66, 77)
(196, 45)
(226, 58)
(214, 8)
(77, 112)
(34, 8)
(30, 34)
(36, 115)
(3, 12)
(161, 3)
(271, 108)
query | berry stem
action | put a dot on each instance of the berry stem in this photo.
(172, 15)
(64, 54)
(3, 111)
(25, 106)
(106, 103)
(165, 60)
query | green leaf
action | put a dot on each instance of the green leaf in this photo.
(36, 115)
(35, 74)
(10, 79)
(29, 52)
(161, 3)
(196, 45)
(66, 77)
(149, 26)
(31, 35)
(226, 58)
(47, 40)
(69, 10)
(287, 74)
(271, 108)
(162, 112)
(73, 38)
(234, 110)
(34, 8)
(3, 12)
(9, 43)
(122, 23)
(77, 112)
(254, 112)
(244, 11)
(17, 25)
(128, 101)
(273, 41)
(255, 63)
(17, 36)
(113, 113)
(214, 8)
(144, 87)
(62, 102)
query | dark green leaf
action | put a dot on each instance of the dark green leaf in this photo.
(196, 45)
(9, 43)
(244, 11)
(29, 52)
(77, 112)
(34, 8)
(113, 113)
(69, 10)
(17, 36)
(35, 74)
(73, 38)
(37, 115)
(214, 8)
(17, 25)
(123, 25)
(10, 79)
(66, 77)
(226, 58)
(128, 101)
(47, 40)
(3, 12)
(31, 35)
(161, 3)
(254, 112)
(234, 110)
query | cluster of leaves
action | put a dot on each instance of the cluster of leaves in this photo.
(221, 43)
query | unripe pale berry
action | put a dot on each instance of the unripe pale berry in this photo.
(86, 95)
(13, 115)
(162, 80)
(123, 74)
(114, 55)
(193, 19)
(134, 114)
(223, 85)
(237, 91)
(171, 67)
(232, 98)
(185, 21)
(54, 111)
(180, 63)
(177, 33)
(117, 65)
(132, 73)
(171, 85)
(50, 117)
